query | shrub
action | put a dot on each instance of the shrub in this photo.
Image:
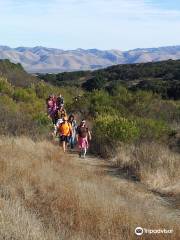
(108, 131)
(32, 108)
(15, 123)
(96, 82)
(42, 119)
(9, 103)
(24, 95)
(152, 129)
(6, 87)
(43, 90)
(81, 105)
(118, 129)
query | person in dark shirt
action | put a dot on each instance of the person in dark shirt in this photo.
(83, 137)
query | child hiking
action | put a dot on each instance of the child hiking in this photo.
(83, 137)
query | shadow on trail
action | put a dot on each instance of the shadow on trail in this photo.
(125, 173)
(171, 198)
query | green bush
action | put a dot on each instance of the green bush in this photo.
(5, 100)
(24, 95)
(32, 108)
(116, 128)
(96, 82)
(15, 123)
(152, 129)
(6, 87)
(42, 119)
(108, 131)
(43, 90)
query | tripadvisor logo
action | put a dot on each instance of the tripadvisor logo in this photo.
(139, 231)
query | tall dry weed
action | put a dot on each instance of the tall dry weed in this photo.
(45, 194)
(152, 164)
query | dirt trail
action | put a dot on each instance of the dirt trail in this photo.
(105, 168)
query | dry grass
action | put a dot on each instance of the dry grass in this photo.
(47, 195)
(153, 164)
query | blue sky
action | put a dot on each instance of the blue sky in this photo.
(103, 24)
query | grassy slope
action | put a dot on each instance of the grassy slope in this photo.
(16, 74)
(47, 195)
(26, 105)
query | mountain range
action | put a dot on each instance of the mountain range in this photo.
(50, 60)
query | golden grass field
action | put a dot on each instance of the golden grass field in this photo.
(47, 195)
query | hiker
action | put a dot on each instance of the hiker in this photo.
(73, 123)
(65, 132)
(49, 103)
(58, 114)
(61, 111)
(54, 99)
(83, 137)
(59, 121)
(52, 108)
(60, 101)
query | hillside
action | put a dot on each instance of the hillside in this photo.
(129, 178)
(160, 77)
(47, 195)
(50, 60)
(16, 74)
(22, 101)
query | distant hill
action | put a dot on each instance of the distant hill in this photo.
(50, 60)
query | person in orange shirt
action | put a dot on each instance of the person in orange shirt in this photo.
(65, 132)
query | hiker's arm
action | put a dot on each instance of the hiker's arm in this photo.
(77, 134)
(56, 129)
(77, 137)
(89, 135)
(71, 131)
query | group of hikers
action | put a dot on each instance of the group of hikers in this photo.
(66, 128)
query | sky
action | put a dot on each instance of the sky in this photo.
(102, 24)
